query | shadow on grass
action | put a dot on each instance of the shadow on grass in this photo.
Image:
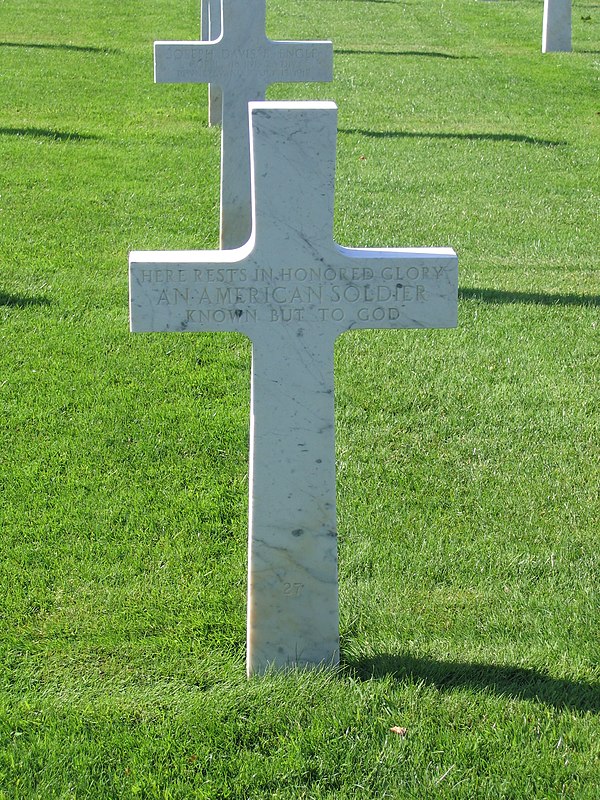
(535, 298)
(57, 136)
(19, 301)
(69, 47)
(516, 682)
(397, 53)
(473, 137)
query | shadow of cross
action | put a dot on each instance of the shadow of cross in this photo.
(292, 290)
(243, 62)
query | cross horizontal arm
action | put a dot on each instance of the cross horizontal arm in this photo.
(300, 62)
(257, 65)
(187, 62)
(196, 291)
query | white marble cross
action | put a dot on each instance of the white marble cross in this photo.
(243, 62)
(210, 27)
(292, 290)
(556, 34)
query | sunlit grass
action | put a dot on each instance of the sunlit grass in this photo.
(468, 460)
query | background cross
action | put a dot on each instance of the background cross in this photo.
(243, 62)
(210, 29)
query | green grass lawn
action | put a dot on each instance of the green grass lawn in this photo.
(468, 460)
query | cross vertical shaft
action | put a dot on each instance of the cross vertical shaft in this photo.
(556, 32)
(292, 565)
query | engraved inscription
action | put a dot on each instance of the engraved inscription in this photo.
(348, 295)
(298, 275)
(229, 65)
(293, 589)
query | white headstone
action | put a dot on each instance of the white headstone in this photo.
(210, 31)
(556, 35)
(243, 62)
(292, 290)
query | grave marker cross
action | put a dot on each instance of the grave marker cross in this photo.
(292, 290)
(243, 62)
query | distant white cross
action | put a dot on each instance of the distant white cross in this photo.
(243, 62)
(292, 290)
(210, 30)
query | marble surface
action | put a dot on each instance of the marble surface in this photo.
(243, 62)
(556, 34)
(292, 289)
(210, 27)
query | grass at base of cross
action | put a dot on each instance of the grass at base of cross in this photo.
(467, 460)
(307, 735)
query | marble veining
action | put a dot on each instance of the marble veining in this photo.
(292, 289)
(243, 62)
